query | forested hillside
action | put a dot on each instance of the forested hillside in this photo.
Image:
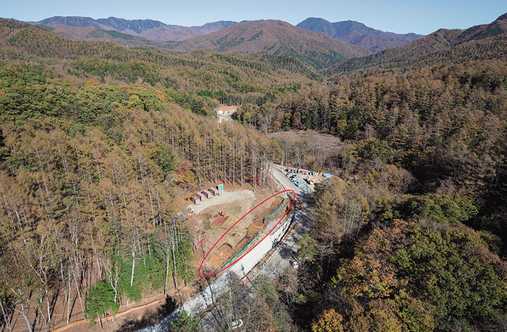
(412, 237)
(100, 144)
(444, 46)
(122, 30)
(359, 34)
(202, 76)
(445, 124)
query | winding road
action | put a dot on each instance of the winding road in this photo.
(273, 261)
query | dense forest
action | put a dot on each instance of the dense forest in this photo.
(96, 157)
(100, 144)
(91, 173)
(413, 236)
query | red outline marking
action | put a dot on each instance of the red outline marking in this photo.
(236, 223)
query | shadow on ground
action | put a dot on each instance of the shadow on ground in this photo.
(150, 318)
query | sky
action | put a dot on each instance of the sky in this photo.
(402, 16)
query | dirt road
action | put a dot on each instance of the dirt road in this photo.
(113, 323)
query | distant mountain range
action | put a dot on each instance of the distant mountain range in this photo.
(357, 33)
(269, 37)
(146, 31)
(273, 38)
(488, 41)
(339, 47)
(88, 28)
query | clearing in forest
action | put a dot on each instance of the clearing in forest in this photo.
(225, 112)
(212, 218)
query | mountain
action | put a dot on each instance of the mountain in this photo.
(488, 41)
(155, 31)
(85, 28)
(498, 27)
(101, 145)
(112, 122)
(212, 27)
(359, 34)
(253, 76)
(276, 38)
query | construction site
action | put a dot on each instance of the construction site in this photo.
(228, 224)
(237, 230)
(303, 179)
(231, 225)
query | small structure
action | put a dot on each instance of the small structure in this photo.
(220, 188)
(213, 191)
(225, 112)
(197, 198)
(205, 193)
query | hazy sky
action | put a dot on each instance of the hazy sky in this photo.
(421, 16)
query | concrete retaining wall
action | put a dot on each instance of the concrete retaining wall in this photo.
(241, 268)
(248, 262)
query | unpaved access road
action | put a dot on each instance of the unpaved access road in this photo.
(274, 263)
(278, 175)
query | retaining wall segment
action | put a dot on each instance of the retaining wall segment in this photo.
(254, 254)
(244, 265)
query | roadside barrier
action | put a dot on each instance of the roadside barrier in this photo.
(273, 228)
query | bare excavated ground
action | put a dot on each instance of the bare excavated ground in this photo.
(212, 218)
(309, 149)
(245, 196)
(325, 143)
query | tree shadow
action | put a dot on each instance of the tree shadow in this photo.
(286, 252)
(150, 318)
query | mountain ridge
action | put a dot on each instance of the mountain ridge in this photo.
(487, 41)
(358, 33)
(152, 30)
(273, 37)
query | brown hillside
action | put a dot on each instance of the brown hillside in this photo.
(273, 38)
(487, 41)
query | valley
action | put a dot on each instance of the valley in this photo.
(251, 175)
